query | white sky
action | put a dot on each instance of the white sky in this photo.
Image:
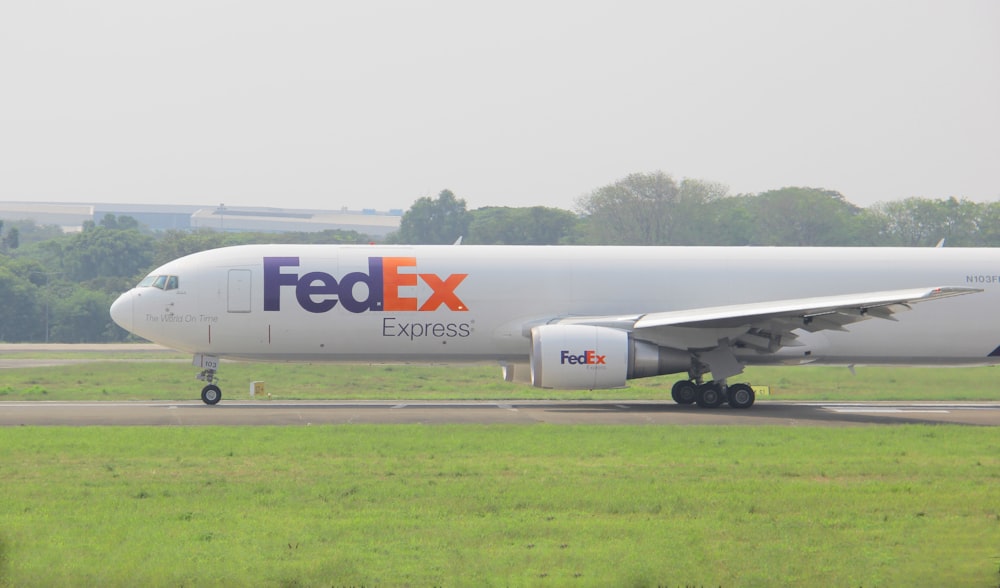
(375, 104)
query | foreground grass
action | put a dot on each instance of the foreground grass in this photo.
(168, 377)
(504, 505)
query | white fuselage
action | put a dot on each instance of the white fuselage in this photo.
(478, 303)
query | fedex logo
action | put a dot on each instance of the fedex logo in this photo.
(320, 292)
(588, 357)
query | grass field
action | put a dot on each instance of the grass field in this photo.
(505, 505)
(171, 377)
(492, 505)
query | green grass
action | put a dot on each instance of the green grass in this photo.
(155, 377)
(500, 505)
(99, 355)
(493, 505)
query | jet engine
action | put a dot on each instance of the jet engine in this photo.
(584, 357)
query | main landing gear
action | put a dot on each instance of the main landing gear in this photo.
(713, 394)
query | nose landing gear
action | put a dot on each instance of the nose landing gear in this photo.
(210, 394)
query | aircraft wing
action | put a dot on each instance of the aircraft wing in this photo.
(767, 326)
(811, 314)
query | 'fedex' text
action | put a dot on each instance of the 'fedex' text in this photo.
(320, 292)
(588, 357)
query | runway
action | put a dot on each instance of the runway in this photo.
(304, 413)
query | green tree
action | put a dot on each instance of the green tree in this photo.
(434, 221)
(103, 252)
(20, 313)
(923, 222)
(120, 223)
(731, 221)
(650, 209)
(914, 222)
(11, 240)
(82, 317)
(803, 217)
(28, 232)
(963, 222)
(537, 225)
(989, 225)
(173, 243)
(697, 215)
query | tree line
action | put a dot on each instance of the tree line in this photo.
(655, 209)
(58, 287)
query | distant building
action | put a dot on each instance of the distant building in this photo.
(68, 217)
(154, 216)
(162, 217)
(280, 220)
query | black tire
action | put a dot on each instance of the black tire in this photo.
(741, 396)
(710, 395)
(684, 392)
(211, 394)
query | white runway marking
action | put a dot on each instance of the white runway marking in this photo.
(876, 407)
(862, 410)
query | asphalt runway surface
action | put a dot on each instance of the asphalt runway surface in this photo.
(302, 413)
(619, 412)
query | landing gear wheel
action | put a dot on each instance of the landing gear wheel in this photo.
(710, 395)
(211, 394)
(684, 392)
(741, 396)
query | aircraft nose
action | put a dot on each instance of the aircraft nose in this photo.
(121, 311)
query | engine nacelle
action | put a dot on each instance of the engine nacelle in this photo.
(584, 357)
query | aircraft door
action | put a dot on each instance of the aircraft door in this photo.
(239, 290)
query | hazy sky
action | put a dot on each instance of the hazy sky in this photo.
(375, 104)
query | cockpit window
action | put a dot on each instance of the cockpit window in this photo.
(161, 282)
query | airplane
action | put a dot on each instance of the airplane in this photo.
(566, 317)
